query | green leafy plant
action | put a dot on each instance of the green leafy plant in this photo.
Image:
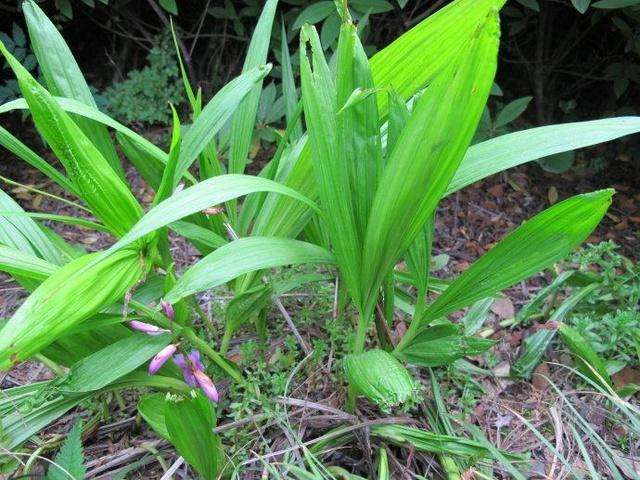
(386, 139)
(143, 95)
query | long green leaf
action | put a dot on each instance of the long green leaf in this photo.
(215, 114)
(243, 256)
(501, 153)
(244, 118)
(21, 264)
(20, 150)
(537, 243)
(112, 362)
(69, 296)
(63, 77)
(213, 191)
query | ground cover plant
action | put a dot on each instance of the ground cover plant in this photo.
(368, 151)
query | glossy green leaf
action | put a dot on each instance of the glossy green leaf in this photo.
(377, 375)
(246, 255)
(501, 153)
(20, 150)
(244, 118)
(215, 114)
(427, 154)
(190, 422)
(151, 407)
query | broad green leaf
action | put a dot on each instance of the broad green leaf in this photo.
(558, 163)
(507, 151)
(112, 362)
(383, 461)
(536, 244)
(21, 264)
(413, 60)
(63, 78)
(427, 154)
(441, 345)
(377, 375)
(531, 4)
(152, 155)
(190, 422)
(211, 192)
(610, 4)
(69, 462)
(106, 194)
(23, 152)
(589, 362)
(69, 296)
(243, 256)
(165, 188)
(511, 111)
(215, 114)
(244, 118)
(151, 407)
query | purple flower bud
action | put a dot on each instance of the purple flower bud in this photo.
(161, 357)
(194, 358)
(168, 309)
(207, 386)
(146, 328)
(187, 370)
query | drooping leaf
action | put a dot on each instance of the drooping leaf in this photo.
(69, 296)
(190, 422)
(21, 264)
(314, 13)
(246, 255)
(377, 375)
(211, 192)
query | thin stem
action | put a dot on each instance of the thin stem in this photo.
(218, 359)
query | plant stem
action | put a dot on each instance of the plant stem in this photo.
(218, 359)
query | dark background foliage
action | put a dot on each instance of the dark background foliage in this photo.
(574, 65)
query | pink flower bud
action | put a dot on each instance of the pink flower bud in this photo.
(161, 357)
(168, 309)
(207, 386)
(146, 328)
